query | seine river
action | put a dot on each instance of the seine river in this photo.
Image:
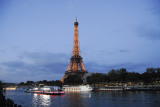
(92, 99)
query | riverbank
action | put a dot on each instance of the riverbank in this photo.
(7, 102)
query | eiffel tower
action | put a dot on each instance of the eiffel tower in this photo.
(76, 65)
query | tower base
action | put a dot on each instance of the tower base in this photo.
(74, 78)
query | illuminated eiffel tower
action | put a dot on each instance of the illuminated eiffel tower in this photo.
(76, 65)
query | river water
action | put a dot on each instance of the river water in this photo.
(89, 99)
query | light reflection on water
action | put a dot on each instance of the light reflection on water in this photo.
(93, 99)
(41, 100)
(75, 99)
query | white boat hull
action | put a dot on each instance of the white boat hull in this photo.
(79, 88)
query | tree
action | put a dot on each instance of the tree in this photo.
(149, 76)
(73, 80)
(158, 74)
(97, 78)
(30, 82)
(133, 77)
(1, 87)
(123, 74)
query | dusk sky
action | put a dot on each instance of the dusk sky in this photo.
(36, 36)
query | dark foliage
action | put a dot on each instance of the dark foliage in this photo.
(97, 78)
(1, 86)
(122, 76)
(73, 80)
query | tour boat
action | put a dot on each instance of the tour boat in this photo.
(111, 88)
(77, 88)
(49, 90)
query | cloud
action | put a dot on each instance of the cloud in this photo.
(117, 51)
(50, 66)
(123, 51)
(130, 67)
(94, 67)
(152, 33)
(34, 66)
(155, 7)
(149, 28)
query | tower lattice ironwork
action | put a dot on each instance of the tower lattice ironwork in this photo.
(76, 62)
